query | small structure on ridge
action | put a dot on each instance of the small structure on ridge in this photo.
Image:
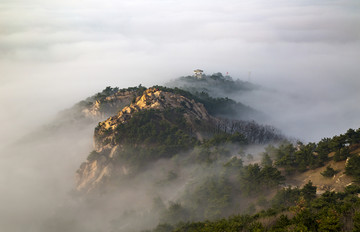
(198, 73)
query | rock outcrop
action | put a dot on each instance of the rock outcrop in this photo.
(157, 100)
(94, 172)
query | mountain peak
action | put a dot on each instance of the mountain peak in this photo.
(156, 99)
(159, 123)
(159, 111)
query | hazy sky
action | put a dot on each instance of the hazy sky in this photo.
(54, 53)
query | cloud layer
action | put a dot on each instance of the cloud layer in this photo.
(54, 53)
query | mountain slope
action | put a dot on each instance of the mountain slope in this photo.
(158, 124)
(324, 196)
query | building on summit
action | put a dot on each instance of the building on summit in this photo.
(198, 73)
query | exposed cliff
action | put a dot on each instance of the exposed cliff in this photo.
(158, 124)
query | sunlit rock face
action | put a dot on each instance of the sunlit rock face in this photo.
(159, 100)
(96, 171)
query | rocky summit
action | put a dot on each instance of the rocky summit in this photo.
(107, 146)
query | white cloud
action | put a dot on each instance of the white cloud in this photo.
(306, 48)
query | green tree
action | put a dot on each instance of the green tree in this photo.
(329, 172)
(271, 177)
(281, 223)
(353, 136)
(353, 167)
(330, 221)
(250, 179)
(309, 191)
(286, 197)
(323, 149)
(342, 154)
(266, 160)
(285, 157)
(233, 166)
(356, 221)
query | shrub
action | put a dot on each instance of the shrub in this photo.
(329, 172)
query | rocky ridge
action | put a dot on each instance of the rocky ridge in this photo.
(94, 172)
(157, 100)
(159, 123)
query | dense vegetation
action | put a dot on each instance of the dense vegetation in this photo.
(301, 157)
(153, 134)
(292, 209)
(150, 135)
(220, 191)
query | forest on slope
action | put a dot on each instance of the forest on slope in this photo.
(290, 208)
